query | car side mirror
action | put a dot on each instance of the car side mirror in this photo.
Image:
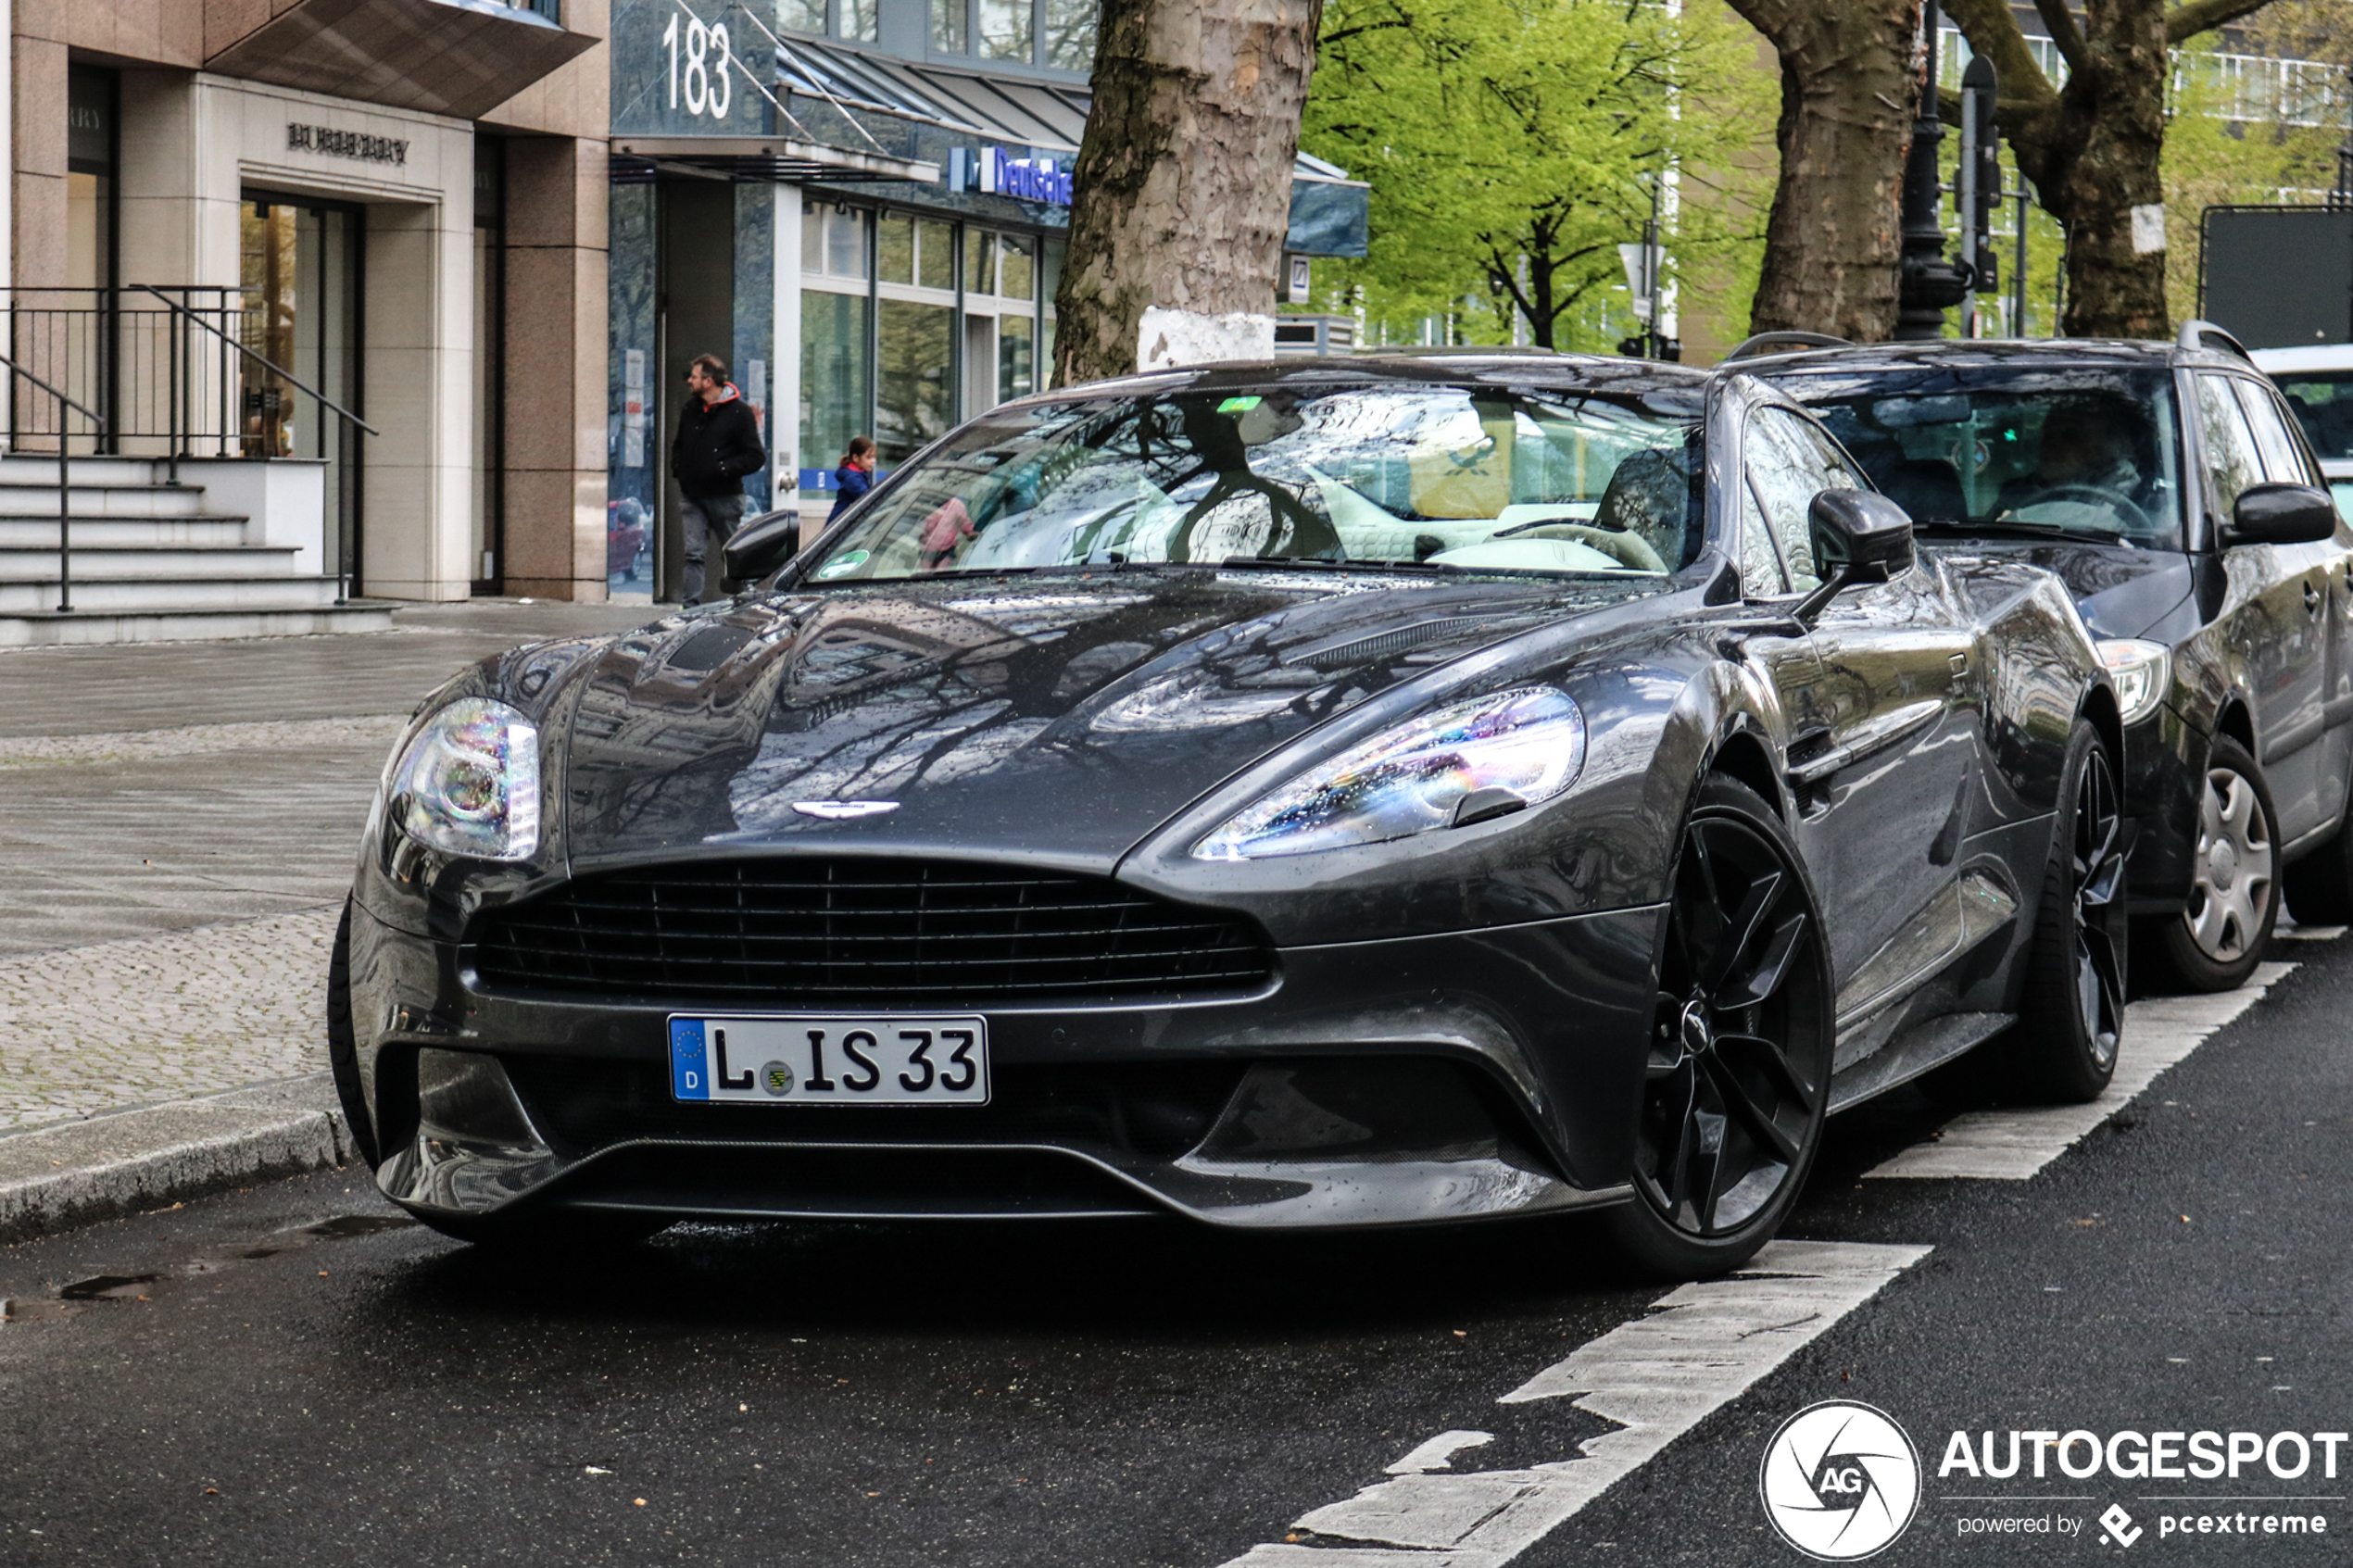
(2281, 514)
(1861, 535)
(762, 544)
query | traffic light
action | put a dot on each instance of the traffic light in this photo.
(1982, 144)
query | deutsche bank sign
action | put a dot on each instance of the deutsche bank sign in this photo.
(992, 173)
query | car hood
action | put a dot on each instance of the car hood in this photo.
(1056, 720)
(2120, 592)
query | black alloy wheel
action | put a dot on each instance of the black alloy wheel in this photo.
(1736, 1076)
(2073, 1025)
(2219, 937)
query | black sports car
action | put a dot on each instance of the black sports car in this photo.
(1380, 793)
(2169, 485)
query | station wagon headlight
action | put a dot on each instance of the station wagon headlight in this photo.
(1509, 750)
(2143, 673)
(468, 783)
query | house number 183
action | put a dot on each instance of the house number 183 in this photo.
(708, 89)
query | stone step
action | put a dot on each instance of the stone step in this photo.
(38, 563)
(37, 469)
(173, 594)
(103, 500)
(52, 630)
(180, 532)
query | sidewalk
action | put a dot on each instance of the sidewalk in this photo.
(177, 827)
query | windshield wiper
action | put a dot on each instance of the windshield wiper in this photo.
(2012, 526)
(1356, 563)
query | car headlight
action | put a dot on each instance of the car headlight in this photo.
(469, 783)
(1525, 746)
(2143, 672)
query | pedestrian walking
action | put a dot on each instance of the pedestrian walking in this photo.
(855, 477)
(718, 442)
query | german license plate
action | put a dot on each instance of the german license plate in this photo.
(830, 1059)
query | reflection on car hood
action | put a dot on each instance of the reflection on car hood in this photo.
(2120, 591)
(1064, 718)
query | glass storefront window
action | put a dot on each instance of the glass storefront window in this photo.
(1069, 34)
(812, 237)
(1046, 353)
(935, 256)
(948, 34)
(914, 403)
(980, 262)
(1019, 276)
(1049, 265)
(1006, 30)
(846, 241)
(1016, 356)
(895, 249)
(862, 20)
(834, 386)
(801, 16)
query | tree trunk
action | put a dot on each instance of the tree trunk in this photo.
(1847, 95)
(2093, 148)
(1181, 192)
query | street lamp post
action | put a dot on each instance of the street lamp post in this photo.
(1928, 284)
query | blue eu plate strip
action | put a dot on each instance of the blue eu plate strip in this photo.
(689, 1073)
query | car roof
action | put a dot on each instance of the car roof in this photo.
(2316, 357)
(1964, 354)
(1474, 367)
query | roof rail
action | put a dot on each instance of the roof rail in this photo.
(2206, 334)
(1764, 341)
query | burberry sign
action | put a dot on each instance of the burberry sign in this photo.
(347, 143)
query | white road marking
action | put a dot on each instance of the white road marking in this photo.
(197, 740)
(1656, 1376)
(2308, 933)
(2011, 1145)
(1438, 1452)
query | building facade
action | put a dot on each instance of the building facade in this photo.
(360, 239)
(861, 204)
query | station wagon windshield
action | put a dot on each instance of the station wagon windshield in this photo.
(1389, 478)
(2089, 452)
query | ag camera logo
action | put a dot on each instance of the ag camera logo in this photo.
(1840, 1480)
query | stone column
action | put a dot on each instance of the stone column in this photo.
(554, 394)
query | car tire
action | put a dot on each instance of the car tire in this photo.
(343, 1051)
(2072, 1019)
(1740, 1049)
(2220, 936)
(2320, 886)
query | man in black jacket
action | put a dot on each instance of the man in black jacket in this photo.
(717, 445)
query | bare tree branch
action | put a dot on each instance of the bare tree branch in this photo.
(1993, 32)
(2204, 16)
(2064, 33)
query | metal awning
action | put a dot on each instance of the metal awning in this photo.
(1047, 117)
(779, 160)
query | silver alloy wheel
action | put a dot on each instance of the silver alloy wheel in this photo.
(2231, 885)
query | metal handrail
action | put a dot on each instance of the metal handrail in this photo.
(65, 477)
(271, 366)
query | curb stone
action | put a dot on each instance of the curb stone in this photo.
(63, 1175)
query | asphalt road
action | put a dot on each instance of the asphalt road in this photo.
(227, 1383)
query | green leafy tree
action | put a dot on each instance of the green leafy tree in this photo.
(1512, 146)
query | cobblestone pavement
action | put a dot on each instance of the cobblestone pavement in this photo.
(117, 1023)
(177, 827)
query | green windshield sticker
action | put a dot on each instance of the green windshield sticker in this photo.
(848, 561)
(1239, 405)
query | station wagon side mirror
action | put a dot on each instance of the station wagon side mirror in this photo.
(2281, 514)
(762, 544)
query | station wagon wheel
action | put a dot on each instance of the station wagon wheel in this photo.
(1736, 1076)
(2072, 1024)
(2216, 941)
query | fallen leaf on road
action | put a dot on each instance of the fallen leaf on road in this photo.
(641, 1502)
(596, 1470)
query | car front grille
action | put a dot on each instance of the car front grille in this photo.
(842, 931)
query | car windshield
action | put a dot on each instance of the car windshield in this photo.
(1388, 477)
(2078, 450)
